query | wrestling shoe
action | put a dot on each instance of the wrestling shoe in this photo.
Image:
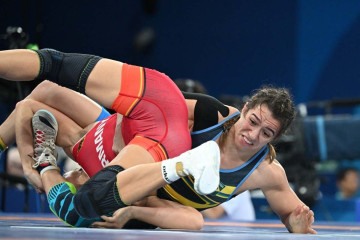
(203, 163)
(46, 161)
(45, 128)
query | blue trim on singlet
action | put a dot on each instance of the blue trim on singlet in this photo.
(104, 114)
(263, 151)
(210, 133)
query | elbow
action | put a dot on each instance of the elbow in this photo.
(194, 220)
(198, 221)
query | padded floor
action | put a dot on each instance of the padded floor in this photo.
(46, 226)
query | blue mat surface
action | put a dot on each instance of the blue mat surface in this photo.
(46, 226)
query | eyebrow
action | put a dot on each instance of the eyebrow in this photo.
(257, 118)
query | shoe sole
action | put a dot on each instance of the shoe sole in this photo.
(210, 179)
(46, 114)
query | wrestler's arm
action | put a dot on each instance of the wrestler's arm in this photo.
(214, 213)
(24, 65)
(158, 212)
(296, 216)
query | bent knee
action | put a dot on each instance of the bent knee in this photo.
(45, 92)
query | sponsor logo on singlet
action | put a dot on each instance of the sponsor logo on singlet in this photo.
(99, 143)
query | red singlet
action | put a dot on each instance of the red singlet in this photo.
(155, 118)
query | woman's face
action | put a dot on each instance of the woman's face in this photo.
(256, 128)
(77, 177)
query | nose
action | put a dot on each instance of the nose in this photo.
(254, 133)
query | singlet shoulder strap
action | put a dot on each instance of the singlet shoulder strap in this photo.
(240, 174)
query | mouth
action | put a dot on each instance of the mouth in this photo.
(247, 140)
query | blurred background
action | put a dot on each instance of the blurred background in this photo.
(231, 47)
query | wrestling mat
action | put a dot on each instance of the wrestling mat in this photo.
(47, 226)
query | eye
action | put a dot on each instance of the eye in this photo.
(252, 121)
(267, 134)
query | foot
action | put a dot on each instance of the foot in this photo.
(46, 161)
(45, 128)
(203, 163)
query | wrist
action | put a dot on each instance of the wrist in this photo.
(131, 212)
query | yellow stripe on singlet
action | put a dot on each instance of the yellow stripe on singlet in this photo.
(140, 92)
(132, 89)
(187, 202)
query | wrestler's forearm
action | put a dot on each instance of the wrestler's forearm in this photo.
(169, 218)
(7, 130)
(19, 65)
(214, 213)
(24, 139)
(24, 134)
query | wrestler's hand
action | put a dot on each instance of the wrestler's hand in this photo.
(301, 220)
(33, 177)
(117, 220)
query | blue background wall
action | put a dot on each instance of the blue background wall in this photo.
(233, 46)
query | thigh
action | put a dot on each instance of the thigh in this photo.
(153, 108)
(68, 130)
(132, 155)
(78, 107)
(104, 82)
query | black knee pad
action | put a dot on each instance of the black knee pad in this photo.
(206, 110)
(99, 196)
(66, 69)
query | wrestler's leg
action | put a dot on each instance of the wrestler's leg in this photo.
(82, 110)
(60, 191)
(19, 65)
(60, 194)
(150, 178)
(78, 107)
(69, 134)
(100, 79)
(113, 187)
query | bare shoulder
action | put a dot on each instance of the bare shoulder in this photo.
(271, 174)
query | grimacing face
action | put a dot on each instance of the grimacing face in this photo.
(257, 127)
